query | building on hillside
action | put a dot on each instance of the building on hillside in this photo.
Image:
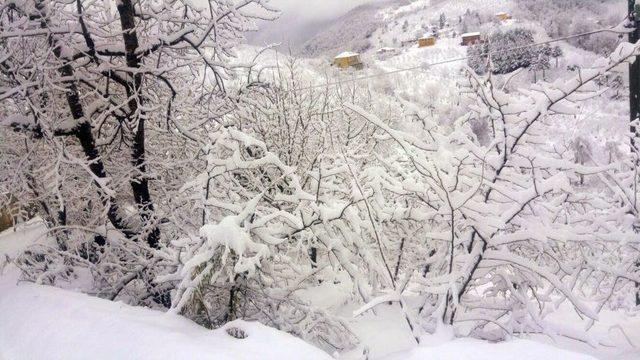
(427, 40)
(471, 38)
(348, 59)
(502, 16)
(7, 213)
(386, 52)
(6, 220)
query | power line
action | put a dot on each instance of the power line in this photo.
(619, 29)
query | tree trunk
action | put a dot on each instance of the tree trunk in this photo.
(139, 183)
(634, 102)
(82, 131)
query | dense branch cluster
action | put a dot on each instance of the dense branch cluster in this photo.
(167, 175)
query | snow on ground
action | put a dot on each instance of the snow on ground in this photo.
(43, 322)
(621, 327)
(480, 350)
(384, 335)
(13, 241)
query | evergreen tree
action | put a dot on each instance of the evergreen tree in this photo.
(556, 53)
(509, 51)
(442, 21)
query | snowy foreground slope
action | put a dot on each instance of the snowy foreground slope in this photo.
(43, 322)
(478, 350)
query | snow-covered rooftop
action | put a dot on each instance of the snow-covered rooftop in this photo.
(471, 34)
(346, 54)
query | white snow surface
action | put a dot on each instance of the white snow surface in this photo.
(346, 54)
(480, 350)
(44, 322)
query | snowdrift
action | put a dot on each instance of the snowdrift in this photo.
(480, 350)
(42, 322)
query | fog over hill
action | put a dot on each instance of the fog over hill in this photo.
(297, 25)
(351, 31)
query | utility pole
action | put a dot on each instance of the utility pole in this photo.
(634, 96)
(634, 75)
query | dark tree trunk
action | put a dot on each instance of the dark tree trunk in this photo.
(313, 256)
(634, 80)
(634, 101)
(140, 182)
(84, 135)
(83, 131)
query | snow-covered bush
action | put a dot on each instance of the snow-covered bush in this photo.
(508, 230)
(488, 235)
(271, 183)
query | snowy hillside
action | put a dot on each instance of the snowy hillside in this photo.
(462, 182)
(41, 322)
(44, 322)
(353, 30)
(436, 90)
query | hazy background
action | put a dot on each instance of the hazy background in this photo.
(300, 20)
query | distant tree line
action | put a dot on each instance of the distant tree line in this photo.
(505, 51)
(562, 18)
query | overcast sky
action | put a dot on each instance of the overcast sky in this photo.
(316, 9)
(300, 19)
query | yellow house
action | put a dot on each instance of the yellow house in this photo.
(6, 221)
(502, 16)
(6, 214)
(428, 40)
(347, 59)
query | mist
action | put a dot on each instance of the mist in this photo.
(300, 20)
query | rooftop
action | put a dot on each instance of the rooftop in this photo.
(346, 54)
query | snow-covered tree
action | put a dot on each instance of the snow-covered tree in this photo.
(442, 21)
(509, 230)
(506, 51)
(162, 167)
(110, 102)
(556, 53)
